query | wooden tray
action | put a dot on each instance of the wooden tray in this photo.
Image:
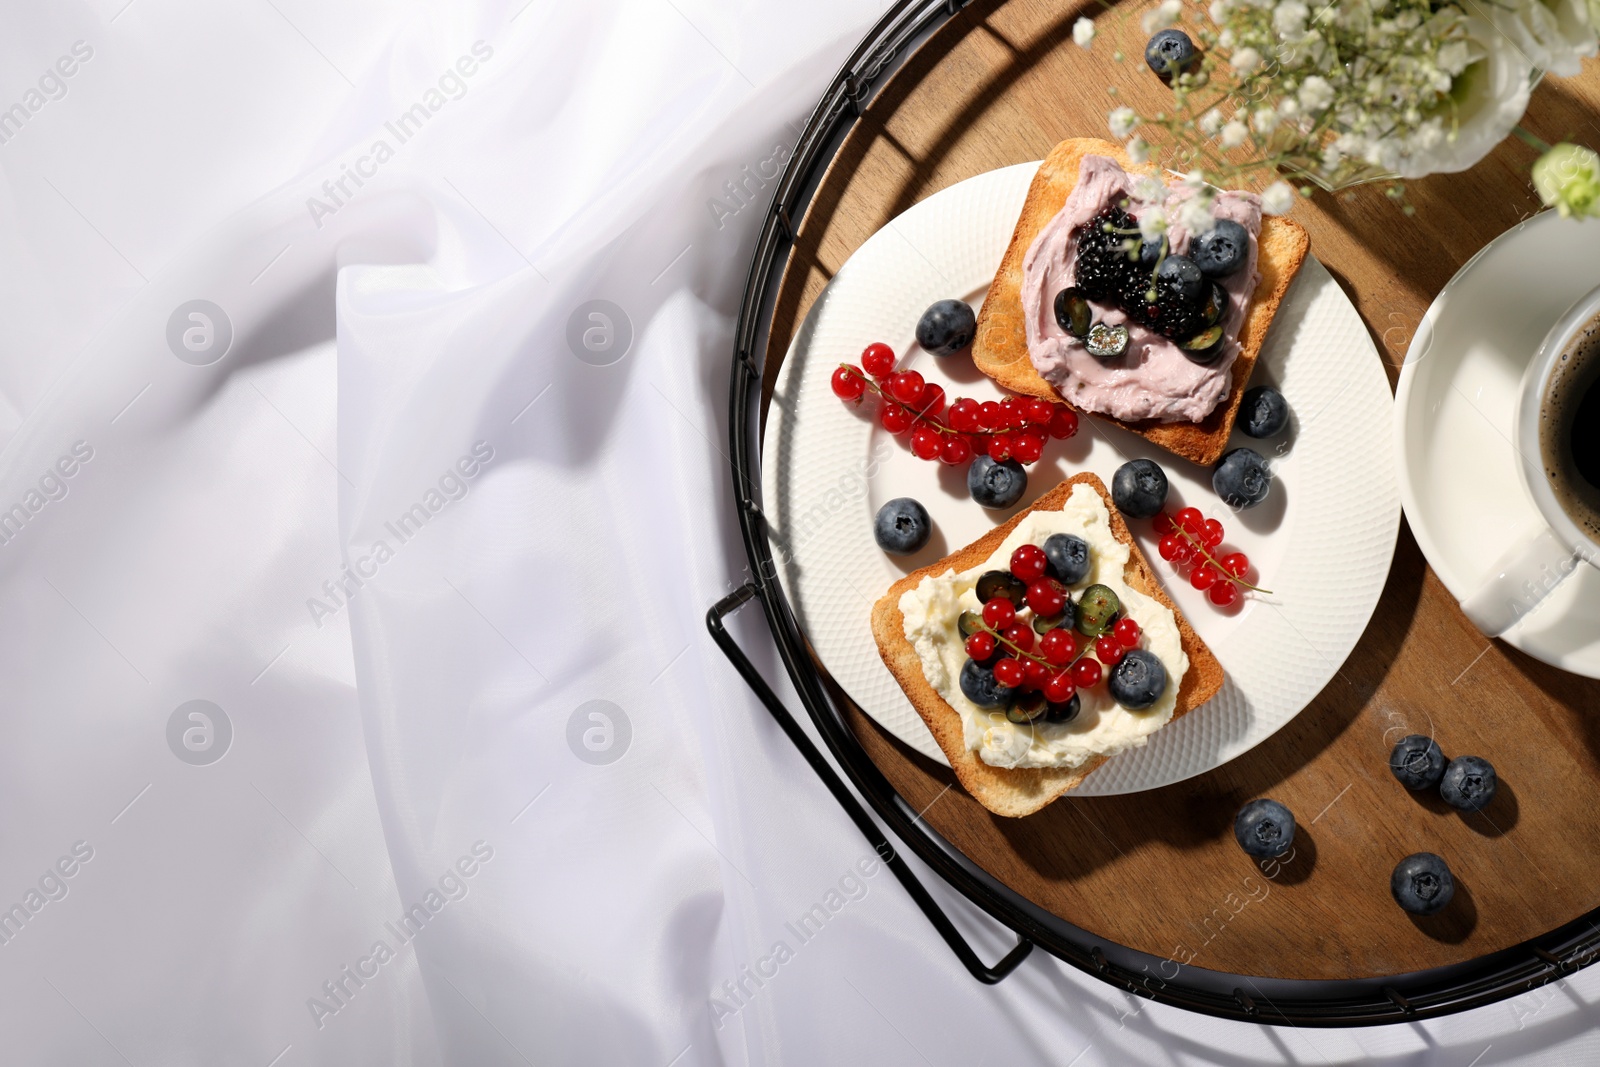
(1159, 871)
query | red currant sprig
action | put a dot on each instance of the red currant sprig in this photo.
(1060, 665)
(1189, 537)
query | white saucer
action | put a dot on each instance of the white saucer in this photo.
(1458, 388)
(1323, 540)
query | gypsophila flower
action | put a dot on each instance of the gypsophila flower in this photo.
(1161, 16)
(1210, 122)
(1195, 214)
(1244, 60)
(1234, 134)
(1289, 19)
(1315, 93)
(1083, 33)
(1277, 198)
(1567, 178)
(1123, 120)
(1265, 120)
(1138, 150)
(1153, 223)
(1149, 189)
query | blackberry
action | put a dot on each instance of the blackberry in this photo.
(1103, 265)
(1107, 273)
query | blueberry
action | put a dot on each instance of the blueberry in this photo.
(947, 327)
(979, 685)
(1179, 278)
(902, 526)
(1169, 52)
(1263, 412)
(1222, 249)
(1468, 783)
(1066, 558)
(1422, 883)
(1263, 828)
(1138, 680)
(1242, 479)
(1060, 713)
(996, 485)
(1139, 488)
(1150, 249)
(1417, 762)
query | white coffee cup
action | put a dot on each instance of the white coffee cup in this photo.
(1532, 569)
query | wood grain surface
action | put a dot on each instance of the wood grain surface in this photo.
(1159, 871)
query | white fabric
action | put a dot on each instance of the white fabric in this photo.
(380, 738)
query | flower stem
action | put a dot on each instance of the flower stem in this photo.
(1533, 142)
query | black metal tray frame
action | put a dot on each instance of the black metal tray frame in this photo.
(1298, 1002)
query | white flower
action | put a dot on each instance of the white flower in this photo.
(1244, 60)
(1138, 150)
(1149, 189)
(1452, 57)
(1219, 10)
(1083, 33)
(1123, 121)
(1153, 223)
(1486, 100)
(1551, 35)
(1210, 122)
(1195, 179)
(1288, 107)
(1290, 18)
(1265, 120)
(1277, 198)
(1315, 93)
(1234, 134)
(1161, 16)
(1195, 214)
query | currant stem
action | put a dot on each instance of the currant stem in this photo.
(1000, 639)
(1209, 558)
(917, 416)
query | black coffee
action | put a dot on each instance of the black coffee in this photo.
(1569, 429)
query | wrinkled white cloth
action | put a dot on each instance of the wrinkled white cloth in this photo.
(359, 707)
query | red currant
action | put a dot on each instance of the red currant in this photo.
(979, 443)
(878, 359)
(1021, 635)
(1203, 576)
(1127, 632)
(848, 383)
(1028, 562)
(1027, 447)
(1163, 524)
(926, 442)
(980, 646)
(1236, 564)
(1191, 520)
(894, 418)
(1009, 672)
(954, 451)
(990, 417)
(1086, 673)
(1063, 424)
(906, 386)
(964, 415)
(1035, 675)
(1168, 548)
(1059, 689)
(1040, 411)
(1059, 646)
(1223, 593)
(998, 614)
(1211, 533)
(1016, 412)
(1109, 650)
(1047, 597)
(931, 402)
(1000, 447)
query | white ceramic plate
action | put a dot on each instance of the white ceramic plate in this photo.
(1322, 541)
(1452, 424)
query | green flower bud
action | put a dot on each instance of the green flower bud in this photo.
(1567, 178)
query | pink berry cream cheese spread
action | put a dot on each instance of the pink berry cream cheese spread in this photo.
(1153, 379)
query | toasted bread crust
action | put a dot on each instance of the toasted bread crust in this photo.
(1024, 790)
(1000, 349)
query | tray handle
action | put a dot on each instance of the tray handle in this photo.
(841, 793)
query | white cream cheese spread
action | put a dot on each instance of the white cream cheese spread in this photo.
(1102, 727)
